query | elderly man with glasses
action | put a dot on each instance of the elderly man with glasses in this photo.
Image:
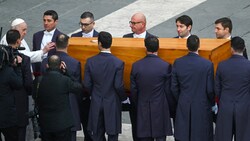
(138, 27)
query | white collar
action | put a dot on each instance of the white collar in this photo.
(230, 37)
(90, 34)
(142, 35)
(106, 51)
(195, 52)
(49, 33)
(185, 37)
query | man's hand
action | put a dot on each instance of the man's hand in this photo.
(48, 47)
(63, 67)
(17, 60)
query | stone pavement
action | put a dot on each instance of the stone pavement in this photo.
(125, 136)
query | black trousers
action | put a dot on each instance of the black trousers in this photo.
(132, 114)
(22, 133)
(10, 133)
(84, 112)
(100, 135)
(73, 135)
(153, 139)
(63, 135)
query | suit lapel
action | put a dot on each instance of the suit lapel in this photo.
(55, 35)
(39, 40)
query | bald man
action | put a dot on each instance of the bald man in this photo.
(35, 56)
(137, 24)
(138, 27)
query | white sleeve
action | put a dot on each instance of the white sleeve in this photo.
(35, 56)
(3, 40)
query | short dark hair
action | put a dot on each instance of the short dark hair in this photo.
(12, 36)
(193, 43)
(151, 43)
(225, 22)
(54, 62)
(62, 41)
(105, 39)
(238, 44)
(184, 19)
(51, 13)
(87, 14)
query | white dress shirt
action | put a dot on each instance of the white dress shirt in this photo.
(142, 35)
(185, 37)
(47, 37)
(106, 51)
(88, 35)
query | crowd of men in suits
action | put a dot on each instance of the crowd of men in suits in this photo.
(184, 91)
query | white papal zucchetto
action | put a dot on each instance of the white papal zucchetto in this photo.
(16, 22)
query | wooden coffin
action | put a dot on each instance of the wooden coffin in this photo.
(132, 49)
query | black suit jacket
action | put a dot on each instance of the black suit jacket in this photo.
(79, 34)
(130, 35)
(37, 40)
(74, 70)
(232, 89)
(10, 80)
(21, 96)
(150, 85)
(193, 87)
(103, 77)
(53, 101)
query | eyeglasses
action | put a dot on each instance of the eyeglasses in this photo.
(133, 23)
(84, 24)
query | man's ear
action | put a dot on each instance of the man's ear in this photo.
(18, 42)
(99, 43)
(189, 28)
(232, 50)
(227, 29)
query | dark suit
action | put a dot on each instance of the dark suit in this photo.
(21, 98)
(53, 104)
(10, 80)
(131, 107)
(130, 35)
(172, 102)
(192, 86)
(37, 40)
(103, 78)
(79, 34)
(150, 85)
(74, 70)
(232, 89)
(85, 101)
